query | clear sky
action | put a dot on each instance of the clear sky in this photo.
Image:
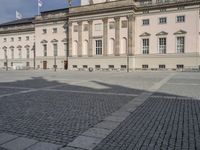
(28, 8)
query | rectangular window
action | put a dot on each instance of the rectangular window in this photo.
(74, 66)
(180, 66)
(124, 23)
(98, 47)
(55, 48)
(111, 25)
(180, 44)
(20, 53)
(45, 50)
(145, 22)
(85, 27)
(98, 27)
(161, 66)
(55, 30)
(145, 66)
(97, 66)
(85, 66)
(180, 19)
(19, 38)
(28, 53)
(27, 38)
(4, 40)
(163, 20)
(111, 66)
(75, 28)
(12, 39)
(145, 46)
(123, 66)
(44, 31)
(162, 45)
(12, 53)
(27, 64)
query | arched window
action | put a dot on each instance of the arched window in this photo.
(85, 47)
(111, 46)
(75, 48)
(124, 46)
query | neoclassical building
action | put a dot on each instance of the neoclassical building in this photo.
(107, 34)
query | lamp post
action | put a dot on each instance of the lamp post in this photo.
(6, 60)
(67, 41)
(33, 49)
(55, 67)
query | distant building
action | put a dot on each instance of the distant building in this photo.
(107, 34)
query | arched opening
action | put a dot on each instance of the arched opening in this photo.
(85, 47)
(75, 48)
(111, 46)
(124, 46)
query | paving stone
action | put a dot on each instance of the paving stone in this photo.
(85, 142)
(97, 132)
(115, 118)
(107, 125)
(44, 146)
(4, 137)
(70, 148)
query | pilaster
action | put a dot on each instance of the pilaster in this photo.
(80, 38)
(117, 35)
(90, 45)
(105, 36)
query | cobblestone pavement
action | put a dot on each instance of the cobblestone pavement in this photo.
(158, 124)
(56, 117)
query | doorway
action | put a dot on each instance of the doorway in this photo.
(65, 64)
(44, 64)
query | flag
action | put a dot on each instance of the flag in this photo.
(40, 3)
(18, 15)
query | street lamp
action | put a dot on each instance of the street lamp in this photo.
(6, 60)
(55, 61)
(33, 49)
(65, 26)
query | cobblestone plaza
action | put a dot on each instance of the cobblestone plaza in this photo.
(65, 110)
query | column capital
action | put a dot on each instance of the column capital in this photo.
(90, 21)
(79, 22)
(105, 20)
(117, 18)
(130, 17)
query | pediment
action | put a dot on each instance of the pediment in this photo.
(180, 32)
(161, 33)
(4, 48)
(11, 47)
(64, 40)
(145, 34)
(27, 46)
(44, 41)
(54, 41)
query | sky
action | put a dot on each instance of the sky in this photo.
(28, 8)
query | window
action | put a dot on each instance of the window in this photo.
(98, 47)
(161, 66)
(4, 40)
(5, 54)
(74, 66)
(55, 30)
(44, 31)
(111, 66)
(163, 20)
(85, 66)
(75, 28)
(180, 66)
(162, 45)
(55, 48)
(27, 53)
(124, 23)
(145, 46)
(20, 53)
(85, 27)
(12, 53)
(66, 49)
(98, 27)
(97, 66)
(19, 38)
(111, 25)
(145, 66)
(180, 44)
(45, 50)
(123, 66)
(180, 19)
(27, 64)
(145, 22)
(12, 39)
(27, 38)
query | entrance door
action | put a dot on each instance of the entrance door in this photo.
(44, 64)
(66, 65)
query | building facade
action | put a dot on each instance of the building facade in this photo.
(108, 35)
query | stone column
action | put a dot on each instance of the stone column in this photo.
(70, 39)
(90, 45)
(105, 36)
(80, 38)
(131, 34)
(117, 35)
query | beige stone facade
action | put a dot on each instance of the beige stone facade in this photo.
(108, 34)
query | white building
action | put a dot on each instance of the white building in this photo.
(109, 34)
